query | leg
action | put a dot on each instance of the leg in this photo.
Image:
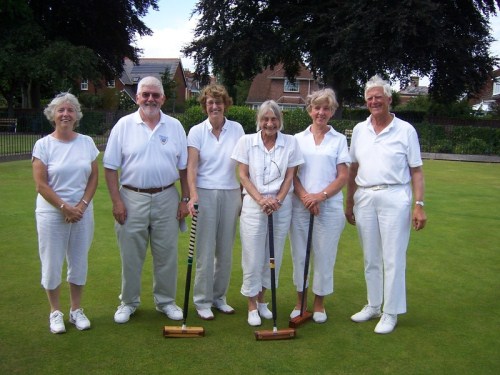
(53, 297)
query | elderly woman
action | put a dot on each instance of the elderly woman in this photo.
(213, 186)
(267, 161)
(65, 174)
(386, 164)
(318, 191)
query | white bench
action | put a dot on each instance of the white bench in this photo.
(9, 123)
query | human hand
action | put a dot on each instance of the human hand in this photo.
(419, 218)
(120, 212)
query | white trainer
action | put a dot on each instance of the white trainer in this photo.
(386, 324)
(171, 310)
(79, 319)
(205, 314)
(295, 313)
(123, 312)
(223, 307)
(367, 313)
(264, 311)
(254, 318)
(320, 317)
(57, 322)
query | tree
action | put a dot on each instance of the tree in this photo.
(346, 42)
(46, 41)
(169, 86)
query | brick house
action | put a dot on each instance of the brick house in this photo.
(273, 84)
(490, 91)
(413, 90)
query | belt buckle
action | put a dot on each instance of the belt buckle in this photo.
(379, 187)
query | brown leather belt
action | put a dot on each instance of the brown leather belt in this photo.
(148, 191)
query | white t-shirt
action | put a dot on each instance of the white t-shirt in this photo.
(68, 167)
(320, 167)
(147, 158)
(385, 158)
(216, 169)
(267, 168)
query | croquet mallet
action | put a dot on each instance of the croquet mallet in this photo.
(184, 331)
(275, 334)
(304, 315)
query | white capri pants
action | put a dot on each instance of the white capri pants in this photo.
(58, 240)
(328, 227)
(383, 221)
(151, 218)
(215, 234)
(255, 244)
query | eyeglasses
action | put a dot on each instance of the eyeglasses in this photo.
(146, 95)
(271, 172)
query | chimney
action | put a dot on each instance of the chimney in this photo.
(414, 81)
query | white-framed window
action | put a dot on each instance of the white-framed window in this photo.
(291, 87)
(496, 86)
(111, 84)
(84, 85)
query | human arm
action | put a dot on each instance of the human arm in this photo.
(192, 172)
(419, 218)
(301, 192)
(91, 187)
(72, 214)
(244, 174)
(112, 181)
(182, 210)
(351, 189)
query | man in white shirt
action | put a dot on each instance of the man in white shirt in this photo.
(150, 150)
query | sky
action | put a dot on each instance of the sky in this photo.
(172, 29)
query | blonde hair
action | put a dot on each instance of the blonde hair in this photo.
(322, 96)
(216, 91)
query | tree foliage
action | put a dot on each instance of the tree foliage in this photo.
(346, 42)
(50, 43)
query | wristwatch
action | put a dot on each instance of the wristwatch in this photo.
(185, 199)
(420, 203)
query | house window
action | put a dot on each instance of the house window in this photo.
(84, 85)
(291, 87)
(496, 86)
(111, 84)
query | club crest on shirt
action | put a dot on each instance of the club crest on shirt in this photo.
(163, 139)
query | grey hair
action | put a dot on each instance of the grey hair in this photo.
(64, 97)
(377, 81)
(150, 81)
(321, 96)
(266, 106)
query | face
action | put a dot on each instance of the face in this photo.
(321, 113)
(65, 116)
(150, 100)
(269, 124)
(377, 102)
(215, 109)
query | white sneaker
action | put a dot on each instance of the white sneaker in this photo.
(79, 319)
(295, 313)
(254, 318)
(171, 310)
(264, 311)
(223, 307)
(122, 314)
(386, 324)
(57, 322)
(366, 314)
(205, 314)
(320, 317)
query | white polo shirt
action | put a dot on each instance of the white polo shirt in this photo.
(147, 158)
(385, 158)
(267, 168)
(216, 169)
(320, 167)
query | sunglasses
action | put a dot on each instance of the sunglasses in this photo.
(146, 95)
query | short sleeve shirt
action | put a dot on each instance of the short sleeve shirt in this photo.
(216, 169)
(147, 158)
(385, 158)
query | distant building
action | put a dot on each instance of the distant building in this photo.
(490, 91)
(413, 90)
(273, 84)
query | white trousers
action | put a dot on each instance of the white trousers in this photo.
(215, 234)
(383, 221)
(58, 240)
(328, 227)
(255, 244)
(151, 219)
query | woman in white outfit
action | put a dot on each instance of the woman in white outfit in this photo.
(318, 191)
(65, 173)
(213, 186)
(267, 162)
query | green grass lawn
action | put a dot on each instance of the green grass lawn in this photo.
(452, 324)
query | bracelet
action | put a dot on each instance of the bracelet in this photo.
(326, 195)
(61, 206)
(85, 202)
(185, 199)
(279, 201)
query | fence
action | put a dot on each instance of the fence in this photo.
(444, 136)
